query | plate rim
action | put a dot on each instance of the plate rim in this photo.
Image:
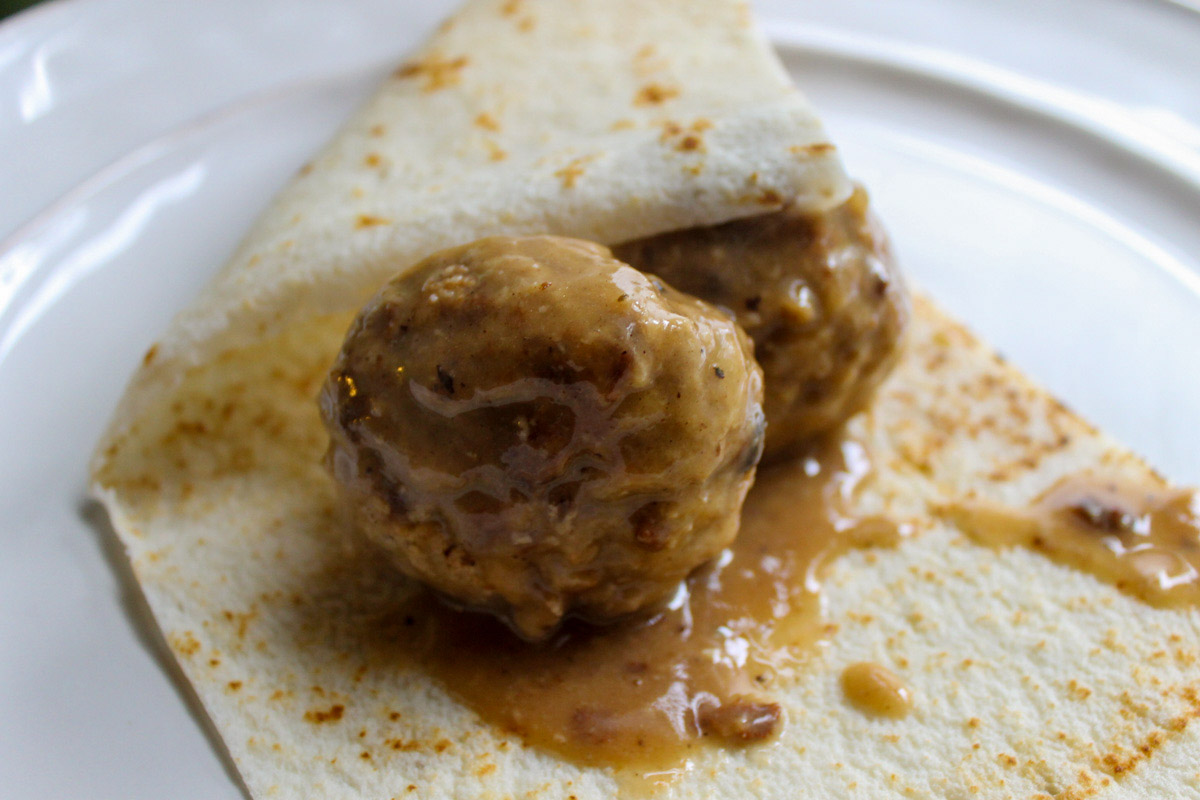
(114, 169)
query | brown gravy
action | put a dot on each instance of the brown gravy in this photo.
(873, 689)
(1143, 540)
(644, 695)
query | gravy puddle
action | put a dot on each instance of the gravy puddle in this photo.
(644, 695)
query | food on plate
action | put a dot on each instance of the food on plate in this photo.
(328, 673)
(1141, 537)
(874, 689)
(538, 430)
(820, 294)
(645, 695)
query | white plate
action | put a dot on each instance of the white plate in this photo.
(1038, 164)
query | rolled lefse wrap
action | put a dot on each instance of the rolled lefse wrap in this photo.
(521, 118)
(610, 120)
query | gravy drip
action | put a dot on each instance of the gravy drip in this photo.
(1143, 540)
(645, 694)
(875, 690)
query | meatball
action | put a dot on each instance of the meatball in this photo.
(820, 296)
(538, 430)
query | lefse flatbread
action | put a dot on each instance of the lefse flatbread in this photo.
(1029, 679)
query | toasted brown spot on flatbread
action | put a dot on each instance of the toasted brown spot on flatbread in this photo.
(572, 171)
(685, 139)
(318, 716)
(647, 60)
(814, 149)
(485, 120)
(1078, 690)
(436, 71)
(240, 620)
(653, 94)
(769, 197)
(370, 221)
(400, 745)
(185, 644)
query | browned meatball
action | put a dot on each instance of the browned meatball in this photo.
(820, 296)
(536, 429)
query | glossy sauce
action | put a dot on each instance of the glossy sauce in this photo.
(643, 695)
(539, 431)
(1144, 540)
(820, 295)
(875, 690)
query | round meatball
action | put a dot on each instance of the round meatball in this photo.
(538, 430)
(820, 295)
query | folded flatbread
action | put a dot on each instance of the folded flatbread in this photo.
(611, 120)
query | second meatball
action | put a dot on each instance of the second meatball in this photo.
(538, 430)
(819, 294)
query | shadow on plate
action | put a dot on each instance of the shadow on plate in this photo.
(149, 635)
